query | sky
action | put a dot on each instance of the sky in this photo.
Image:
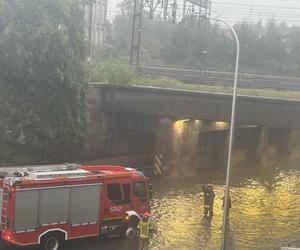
(252, 10)
(281, 10)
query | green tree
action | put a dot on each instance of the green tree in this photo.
(43, 111)
(266, 47)
(293, 44)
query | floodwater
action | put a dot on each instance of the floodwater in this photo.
(265, 212)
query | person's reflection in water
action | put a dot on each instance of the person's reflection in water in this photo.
(129, 244)
(230, 239)
(228, 207)
(205, 230)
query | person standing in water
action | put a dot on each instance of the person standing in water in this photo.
(209, 197)
(144, 229)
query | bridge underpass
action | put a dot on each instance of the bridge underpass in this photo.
(133, 136)
(191, 145)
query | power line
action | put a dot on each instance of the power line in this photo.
(255, 5)
(239, 12)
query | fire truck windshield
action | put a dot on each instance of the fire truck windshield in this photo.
(139, 189)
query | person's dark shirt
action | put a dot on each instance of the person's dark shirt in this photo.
(209, 197)
(229, 202)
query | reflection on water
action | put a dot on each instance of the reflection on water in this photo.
(265, 212)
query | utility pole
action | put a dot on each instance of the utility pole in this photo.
(136, 32)
(183, 11)
(91, 31)
(151, 13)
(205, 23)
(165, 6)
(174, 7)
(169, 10)
(231, 133)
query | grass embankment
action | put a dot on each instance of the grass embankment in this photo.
(115, 72)
(174, 84)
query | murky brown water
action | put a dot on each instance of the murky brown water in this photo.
(265, 213)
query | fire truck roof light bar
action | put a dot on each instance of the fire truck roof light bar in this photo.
(52, 174)
(55, 187)
(11, 171)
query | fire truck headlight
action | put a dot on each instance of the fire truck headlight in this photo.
(7, 237)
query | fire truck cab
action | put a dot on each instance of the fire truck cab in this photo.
(48, 207)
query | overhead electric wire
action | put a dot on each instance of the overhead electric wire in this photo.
(238, 12)
(255, 5)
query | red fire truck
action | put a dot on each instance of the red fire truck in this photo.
(48, 207)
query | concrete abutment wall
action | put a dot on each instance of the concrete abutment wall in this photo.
(126, 133)
(187, 145)
(191, 145)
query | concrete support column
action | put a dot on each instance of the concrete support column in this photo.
(223, 148)
(189, 147)
(263, 140)
(262, 147)
(285, 143)
(268, 146)
(176, 148)
(294, 144)
(177, 141)
(163, 142)
(239, 154)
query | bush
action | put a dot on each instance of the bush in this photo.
(164, 82)
(113, 72)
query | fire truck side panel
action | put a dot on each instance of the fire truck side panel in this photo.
(26, 210)
(74, 210)
(53, 206)
(83, 231)
(84, 205)
(24, 239)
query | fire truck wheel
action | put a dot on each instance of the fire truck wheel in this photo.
(51, 241)
(131, 233)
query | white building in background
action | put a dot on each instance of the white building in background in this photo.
(95, 20)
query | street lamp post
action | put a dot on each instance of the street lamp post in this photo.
(231, 135)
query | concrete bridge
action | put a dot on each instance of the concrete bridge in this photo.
(191, 128)
(190, 104)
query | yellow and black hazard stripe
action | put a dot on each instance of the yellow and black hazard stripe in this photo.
(158, 166)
